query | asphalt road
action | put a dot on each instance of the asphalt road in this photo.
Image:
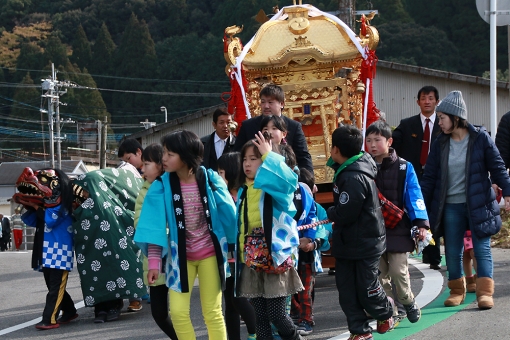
(23, 293)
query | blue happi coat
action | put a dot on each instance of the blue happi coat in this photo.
(57, 242)
(275, 178)
(158, 212)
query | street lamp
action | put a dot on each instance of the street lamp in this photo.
(163, 109)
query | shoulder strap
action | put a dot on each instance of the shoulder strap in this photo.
(402, 173)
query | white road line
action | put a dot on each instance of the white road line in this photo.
(78, 305)
(432, 286)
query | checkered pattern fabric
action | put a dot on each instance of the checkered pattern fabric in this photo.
(57, 256)
(303, 305)
(391, 213)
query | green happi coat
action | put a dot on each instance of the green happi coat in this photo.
(107, 258)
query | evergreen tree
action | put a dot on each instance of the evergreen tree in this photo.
(135, 58)
(82, 54)
(102, 54)
(411, 44)
(55, 52)
(464, 27)
(30, 57)
(200, 54)
(389, 10)
(168, 18)
(26, 102)
(81, 104)
(12, 11)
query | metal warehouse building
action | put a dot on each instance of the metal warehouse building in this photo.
(395, 89)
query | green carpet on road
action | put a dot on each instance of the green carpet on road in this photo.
(433, 313)
(430, 315)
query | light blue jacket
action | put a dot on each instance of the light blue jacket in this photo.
(275, 178)
(158, 211)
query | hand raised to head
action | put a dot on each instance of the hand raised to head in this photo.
(264, 145)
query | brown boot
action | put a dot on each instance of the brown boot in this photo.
(471, 284)
(457, 292)
(484, 292)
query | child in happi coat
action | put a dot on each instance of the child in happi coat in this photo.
(152, 168)
(265, 207)
(229, 166)
(200, 214)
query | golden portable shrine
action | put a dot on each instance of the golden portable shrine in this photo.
(325, 69)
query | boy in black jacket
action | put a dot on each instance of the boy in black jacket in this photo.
(359, 235)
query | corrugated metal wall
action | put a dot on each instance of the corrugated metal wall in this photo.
(395, 94)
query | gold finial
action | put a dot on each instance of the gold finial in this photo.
(233, 30)
(300, 2)
(367, 18)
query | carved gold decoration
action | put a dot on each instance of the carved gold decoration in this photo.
(233, 30)
(299, 25)
(317, 65)
(234, 50)
(360, 88)
(320, 175)
(234, 47)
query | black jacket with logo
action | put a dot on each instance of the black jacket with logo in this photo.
(359, 230)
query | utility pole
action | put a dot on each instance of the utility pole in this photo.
(49, 86)
(102, 151)
(347, 12)
(53, 93)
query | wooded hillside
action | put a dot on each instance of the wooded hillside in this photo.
(130, 47)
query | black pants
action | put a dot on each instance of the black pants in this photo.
(235, 306)
(432, 253)
(359, 290)
(159, 310)
(106, 306)
(57, 298)
(273, 311)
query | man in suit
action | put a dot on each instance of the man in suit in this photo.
(219, 142)
(411, 144)
(272, 101)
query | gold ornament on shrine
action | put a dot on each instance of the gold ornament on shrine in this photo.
(316, 62)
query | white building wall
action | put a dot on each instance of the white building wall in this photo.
(395, 94)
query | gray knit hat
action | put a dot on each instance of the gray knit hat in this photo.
(453, 104)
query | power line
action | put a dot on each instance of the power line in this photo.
(157, 93)
(171, 81)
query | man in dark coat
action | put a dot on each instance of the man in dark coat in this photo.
(272, 101)
(408, 136)
(408, 142)
(219, 142)
(503, 138)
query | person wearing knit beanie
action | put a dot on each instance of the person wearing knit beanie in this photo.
(459, 196)
(453, 104)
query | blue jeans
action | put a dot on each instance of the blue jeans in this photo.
(455, 223)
